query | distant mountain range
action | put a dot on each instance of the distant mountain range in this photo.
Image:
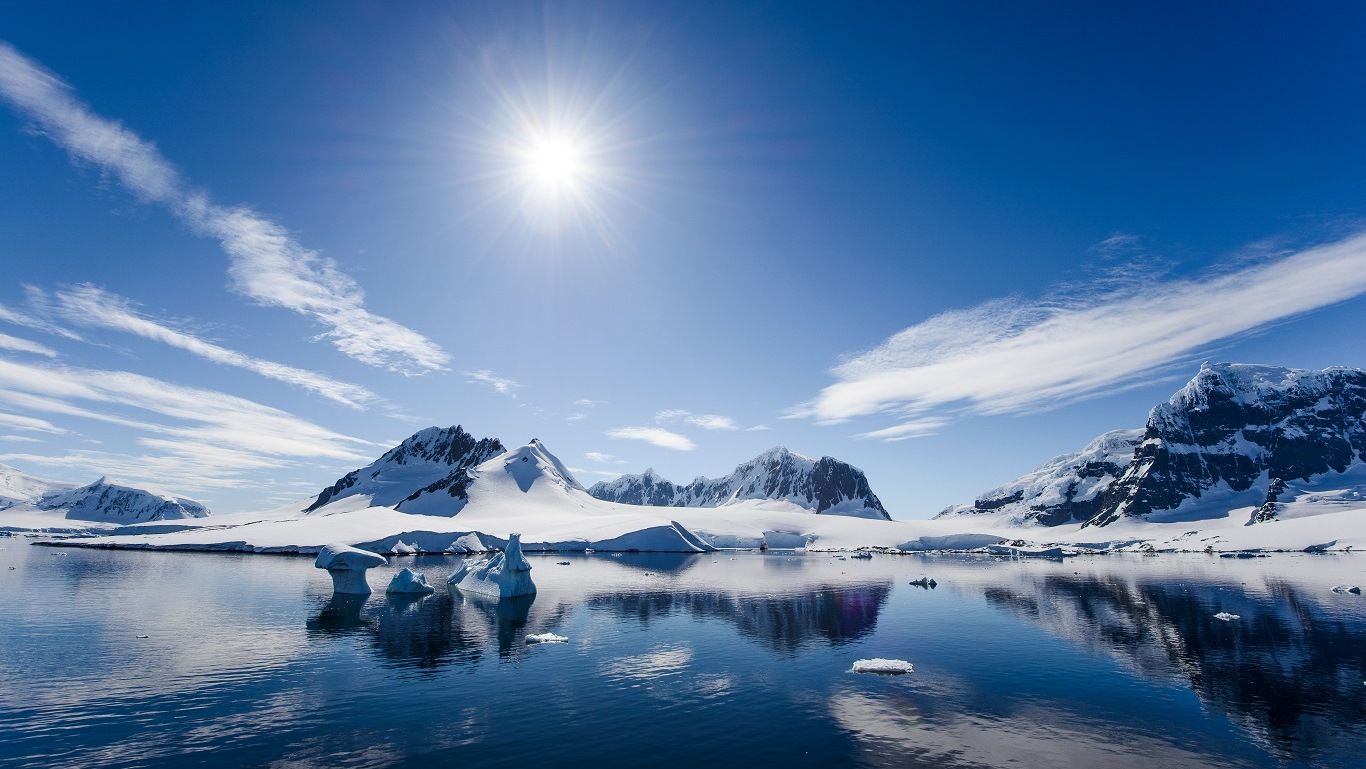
(1235, 436)
(826, 486)
(102, 501)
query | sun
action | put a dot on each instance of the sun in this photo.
(554, 164)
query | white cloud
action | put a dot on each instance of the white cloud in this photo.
(1009, 355)
(758, 429)
(16, 344)
(704, 421)
(31, 424)
(36, 319)
(598, 456)
(500, 385)
(200, 438)
(266, 263)
(88, 305)
(657, 436)
(913, 428)
(19, 439)
(577, 417)
(588, 403)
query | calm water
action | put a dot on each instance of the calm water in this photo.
(710, 661)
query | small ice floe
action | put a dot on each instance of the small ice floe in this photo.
(1353, 589)
(862, 554)
(409, 582)
(1225, 616)
(562, 563)
(885, 667)
(546, 638)
(924, 582)
(142, 636)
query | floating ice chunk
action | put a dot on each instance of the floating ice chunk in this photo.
(1225, 616)
(1354, 589)
(562, 563)
(503, 575)
(924, 582)
(546, 638)
(886, 667)
(863, 554)
(410, 582)
(347, 566)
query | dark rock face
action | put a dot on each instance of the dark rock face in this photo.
(446, 454)
(1234, 428)
(824, 485)
(1237, 426)
(1270, 507)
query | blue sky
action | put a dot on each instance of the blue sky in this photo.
(246, 248)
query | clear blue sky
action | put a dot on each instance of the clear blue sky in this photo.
(324, 226)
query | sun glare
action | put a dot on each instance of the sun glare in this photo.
(554, 163)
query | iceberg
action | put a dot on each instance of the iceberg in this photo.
(410, 582)
(1225, 616)
(504, 575)
(925, 582)
(1353, 589)
(347, 565)
(886, 667)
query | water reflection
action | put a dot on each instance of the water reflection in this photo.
(1288, 672)
(836, 615)
(427, 632)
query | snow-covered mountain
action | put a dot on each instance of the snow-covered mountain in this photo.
(1235, 436)
(20, 488)
(102, 501)
(427, 472)
(110, 502)
(1066, 489)
(826, 486)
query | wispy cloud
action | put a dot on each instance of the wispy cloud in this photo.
(87, 305)
(588, 403)
(16, 344)
(19, 439)
(576, 417)
(197, 438)
(911, 428)
(30, 424)
(704, 421)
(267, 264)
(1012, 355)
(758, 429)
(657, 436)
(598, 456)
(37, 316)
(500, 384)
